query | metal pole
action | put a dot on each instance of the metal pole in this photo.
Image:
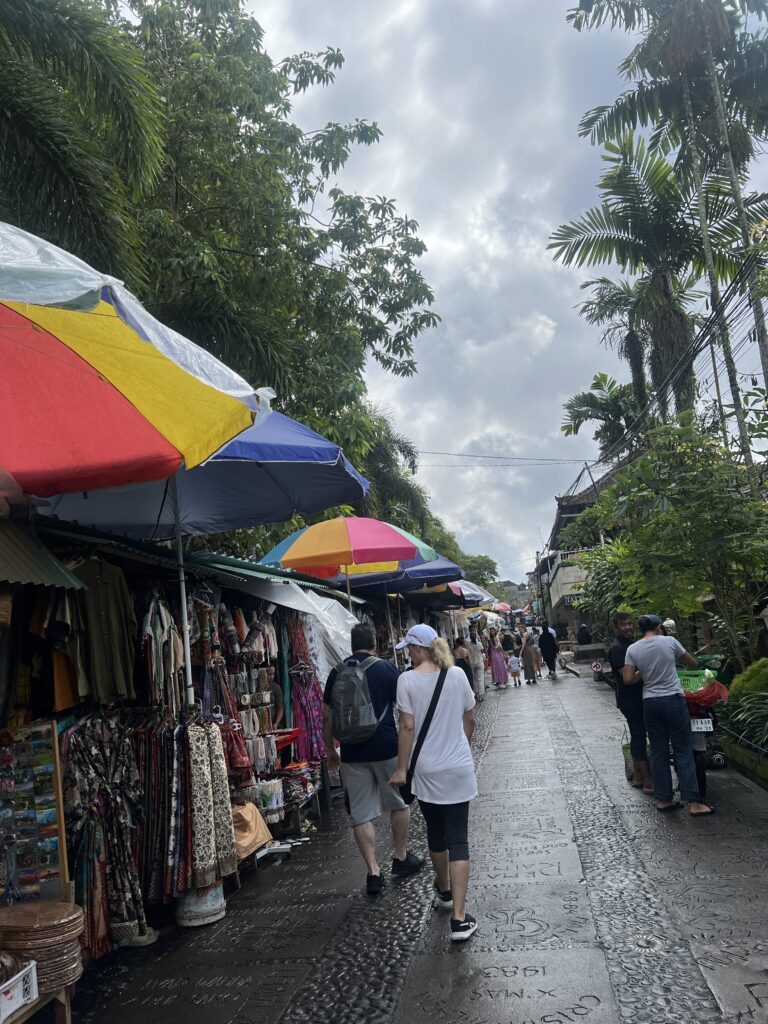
(189, 686)
(391, 628)
(597, 493)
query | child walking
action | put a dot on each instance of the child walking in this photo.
(513, 664)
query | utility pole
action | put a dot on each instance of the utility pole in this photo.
(597, 494)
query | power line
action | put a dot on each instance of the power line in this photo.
(503, 458)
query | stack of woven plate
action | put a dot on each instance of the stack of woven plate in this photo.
(48, 933)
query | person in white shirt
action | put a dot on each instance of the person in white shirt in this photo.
(444, 777)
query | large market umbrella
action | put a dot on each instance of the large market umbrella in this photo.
(94, 391)
(347, 545)
(335, 547)
(266, 474)
(433, 573)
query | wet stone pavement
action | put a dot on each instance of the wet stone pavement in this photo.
(592, 906)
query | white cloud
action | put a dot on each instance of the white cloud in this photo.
(479, 104)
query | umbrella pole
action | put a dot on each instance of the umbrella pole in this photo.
(349, 592)
(391, 628)
(189, 688)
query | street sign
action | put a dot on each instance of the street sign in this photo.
(597, 667)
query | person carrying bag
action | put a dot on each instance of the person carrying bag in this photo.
(437, 706)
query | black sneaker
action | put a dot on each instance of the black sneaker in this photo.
(409, 866)
(444, 897)
(374, 884)
(463, 930)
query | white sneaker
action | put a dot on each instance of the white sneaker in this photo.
(463, 930)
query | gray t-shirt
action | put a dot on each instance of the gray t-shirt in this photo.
(655, 658)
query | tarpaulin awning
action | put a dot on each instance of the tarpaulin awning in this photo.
(24, 559)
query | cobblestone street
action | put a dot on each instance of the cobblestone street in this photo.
(591, 905)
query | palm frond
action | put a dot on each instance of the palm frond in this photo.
(74, 43)
(54, 177)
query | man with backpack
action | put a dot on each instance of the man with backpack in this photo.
(360, 698)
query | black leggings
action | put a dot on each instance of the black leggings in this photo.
(447, 828)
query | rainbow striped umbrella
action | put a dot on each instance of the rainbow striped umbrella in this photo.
(94, 391)
(347, 546)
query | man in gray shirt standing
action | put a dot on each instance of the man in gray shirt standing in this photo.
(653, 661)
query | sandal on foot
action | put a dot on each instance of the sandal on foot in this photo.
(670, 807)
(702, 814)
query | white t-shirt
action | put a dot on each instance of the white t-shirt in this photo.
(445, 771)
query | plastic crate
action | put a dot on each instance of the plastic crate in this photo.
(693, 680)
(19, 991)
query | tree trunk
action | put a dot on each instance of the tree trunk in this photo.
(633, 350)
(672, 335)
(714, 289)
(722, 124)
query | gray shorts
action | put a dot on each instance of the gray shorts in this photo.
(367, 791)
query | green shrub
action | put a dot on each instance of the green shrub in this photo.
(749, 719)
(752, 680)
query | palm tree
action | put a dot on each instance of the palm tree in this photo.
(618, 307)
(608, 403)
(644, 224)
(695, 32)
(79, 130)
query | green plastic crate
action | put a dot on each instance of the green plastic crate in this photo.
(693, 680)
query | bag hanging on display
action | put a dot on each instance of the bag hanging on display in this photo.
(405, 790)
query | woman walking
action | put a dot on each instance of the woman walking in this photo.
(443, 771)
(499, 671)
(528, 656)
(461, 658)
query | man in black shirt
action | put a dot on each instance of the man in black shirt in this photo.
(629, 700)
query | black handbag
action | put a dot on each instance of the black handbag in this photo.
(405, 789)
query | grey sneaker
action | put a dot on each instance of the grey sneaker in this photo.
(409, 866)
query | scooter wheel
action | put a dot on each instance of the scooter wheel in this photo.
(718, 760)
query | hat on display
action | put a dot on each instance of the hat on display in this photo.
(418, 636)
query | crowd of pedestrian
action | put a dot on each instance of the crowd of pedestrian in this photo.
(406, 736)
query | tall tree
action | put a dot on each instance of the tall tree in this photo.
(254, 251)
(705, 32)
(619, 308)
(644, 224)
(80, 131)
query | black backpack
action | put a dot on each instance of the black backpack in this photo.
(354, 718)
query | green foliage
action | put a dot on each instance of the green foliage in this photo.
(254, 252)
(748, 718)
(603, 592)
(80, 131)
(691, 534)
(608, 403)
(752, 680)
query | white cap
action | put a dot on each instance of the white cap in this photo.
(418, 636)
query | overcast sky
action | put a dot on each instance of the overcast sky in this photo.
(479, 103)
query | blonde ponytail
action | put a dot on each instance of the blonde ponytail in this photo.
(440, 654)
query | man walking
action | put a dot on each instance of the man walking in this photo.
(476, 662)
(652, 660)
(629, 701)
(360, 696)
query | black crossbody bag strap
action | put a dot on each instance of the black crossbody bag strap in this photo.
(427, 721)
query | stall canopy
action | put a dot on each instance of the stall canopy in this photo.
(96, 392)
(266, 474)
(23, 559)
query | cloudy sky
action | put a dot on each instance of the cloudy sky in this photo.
(478, 102)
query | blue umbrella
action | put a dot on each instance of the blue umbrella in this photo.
(266, 474)
(411, 577)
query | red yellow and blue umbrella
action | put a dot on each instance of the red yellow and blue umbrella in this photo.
(94, 391)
